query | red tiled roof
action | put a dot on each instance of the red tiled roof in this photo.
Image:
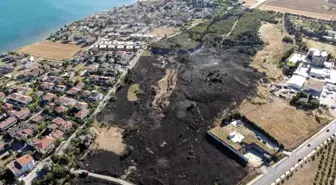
(44, 142)
(22, 161)
(57, 134)
(59, 121)
(7, 122)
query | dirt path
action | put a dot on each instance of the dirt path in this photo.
(228, 34)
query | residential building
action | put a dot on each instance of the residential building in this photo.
(81, 105)
(66, 126)
(22, 114)
(22, 165)
(8, 123)
(19, 99)
(48, 97)
(57, 134)
(58, 121)
(44, 145)
(82, 114)
(63, 100)
(61, 109)
(96, 96)
(47, 86)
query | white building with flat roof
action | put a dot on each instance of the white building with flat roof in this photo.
(298, 57)
(318, 72)
(296, 82)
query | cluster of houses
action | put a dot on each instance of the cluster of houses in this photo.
(137, 19)
(40, 110)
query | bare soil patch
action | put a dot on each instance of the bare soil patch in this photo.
(310, 8)
(287, 124)
(165, 88)
(51, 50)
(164, 31)
(267, 59)
(109, 139)
(304, 174)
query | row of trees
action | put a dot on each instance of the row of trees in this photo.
(326, 173)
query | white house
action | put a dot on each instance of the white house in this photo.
(21, 165)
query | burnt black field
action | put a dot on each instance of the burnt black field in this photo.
(170, 145)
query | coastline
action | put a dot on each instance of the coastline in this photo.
(43, 34)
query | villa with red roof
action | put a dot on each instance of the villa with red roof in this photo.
(22, 165)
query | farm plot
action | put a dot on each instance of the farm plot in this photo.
(319, 169)
(318, 9)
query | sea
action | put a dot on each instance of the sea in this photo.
(24, 22)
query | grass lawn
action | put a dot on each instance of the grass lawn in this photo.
(132, 92)
(146, 53)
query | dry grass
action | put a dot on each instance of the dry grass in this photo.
(51, 50)
(287, 124)
(316, 44)
(165, 88)
(109, 139)
(267, 59)
(133, 91)
(164, 31)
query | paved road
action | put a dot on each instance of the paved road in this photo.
(302, 151)
(104, 177)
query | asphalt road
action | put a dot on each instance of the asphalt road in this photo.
(104, 177)
(273, 173)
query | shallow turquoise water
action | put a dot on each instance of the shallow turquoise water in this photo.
(23, 22)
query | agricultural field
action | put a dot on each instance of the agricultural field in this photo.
(51, 50)
(319, 9)
(314, 25)
(319, 169)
